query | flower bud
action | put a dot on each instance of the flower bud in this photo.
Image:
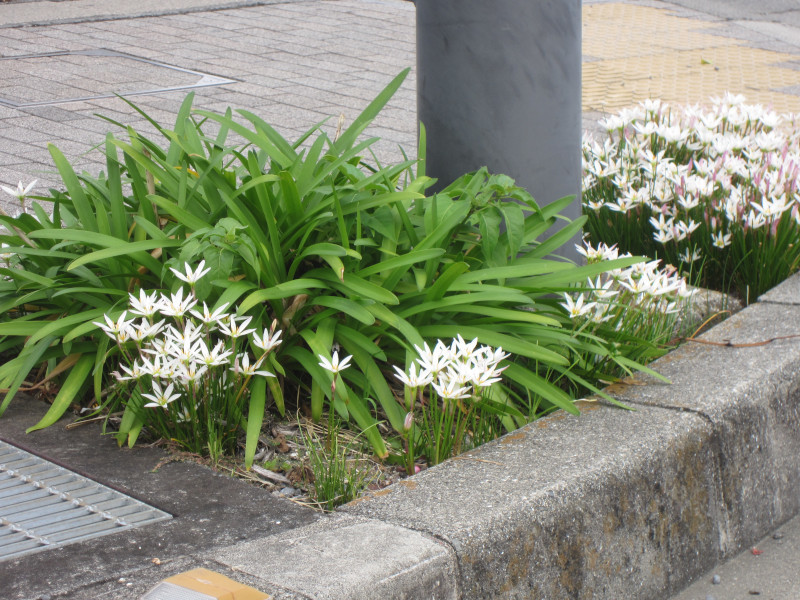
(409, 422)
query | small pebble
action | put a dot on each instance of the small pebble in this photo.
(716, 580)
(709, 597)
(288, 492)
(777, 536)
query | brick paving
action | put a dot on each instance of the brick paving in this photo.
(295, 64)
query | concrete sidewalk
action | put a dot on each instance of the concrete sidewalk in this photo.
(653, 498)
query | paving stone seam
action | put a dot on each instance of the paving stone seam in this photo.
(240, 4)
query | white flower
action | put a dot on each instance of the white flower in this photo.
(689, 257)
(451, 389)
(191, 277)
(236, 330)
(463, 349)
(334, 365)
(267, 342)
(159, 398)
(210, 318)
(134, 373)
(721, 240)
(576, 308)
(144, 329)
(215, 357)
(21, 192)
(176, 305)
(144, 305)
(115, 329)
(413, 379)
(191, 373)
(158, 368)
(247, 369)
(432, 361)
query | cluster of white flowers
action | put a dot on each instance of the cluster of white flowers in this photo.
(732, 168)
(197, 346)
(456, 370)
(642, 286)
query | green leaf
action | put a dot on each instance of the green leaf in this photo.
(346, 306)
(72, 385)
(82, 206)
(255, 418)
(129, 248)
(21, 366)
(538, 385)
(349, 136)
(403, 260)
(282, 290)
(445, 280)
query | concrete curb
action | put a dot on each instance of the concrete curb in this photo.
(613, 504)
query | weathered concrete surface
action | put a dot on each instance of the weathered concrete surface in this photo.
(772, 571)
(787, 292)
(347, 557)
(209, 509)
(751, 397)
(614, 504)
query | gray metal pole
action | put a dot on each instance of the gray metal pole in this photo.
(499, 85)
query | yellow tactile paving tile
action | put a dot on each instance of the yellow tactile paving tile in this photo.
(636, 52)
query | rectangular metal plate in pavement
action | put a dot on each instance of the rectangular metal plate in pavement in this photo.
(45, 506)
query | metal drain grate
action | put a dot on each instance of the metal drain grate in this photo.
(44, 506)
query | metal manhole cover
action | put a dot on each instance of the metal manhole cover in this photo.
(44, 506)
(79, 75)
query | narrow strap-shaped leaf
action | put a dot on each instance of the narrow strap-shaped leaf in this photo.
(348, 137)
(22, 365)
(310, 364)
(539, 385)
(406, 329)
(346, 306)
(445, 280)
(282, 290)
(255, 418)
(377, 381)
(65, 323)
(362, 341)
(403, 260)
(189, 219)
(69, 390)
(133, 249)
(82, 206)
